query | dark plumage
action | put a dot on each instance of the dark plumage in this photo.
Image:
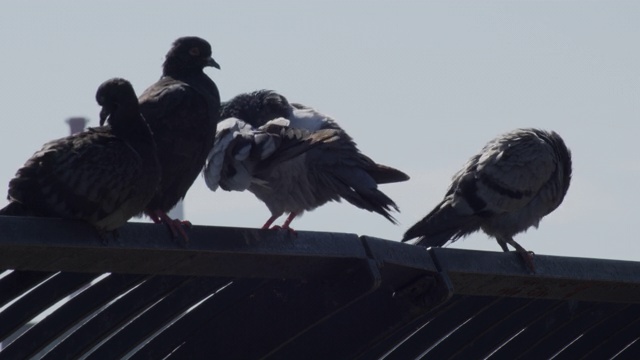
(182, 109)
(103, 176)
(329, 167)
(516, 180)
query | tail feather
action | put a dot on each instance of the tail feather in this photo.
(373, 200)
(442, 224)
(359, 188)
(383, 174)
(15, 208)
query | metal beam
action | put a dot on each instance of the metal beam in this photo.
(40, 244)
(564, 278)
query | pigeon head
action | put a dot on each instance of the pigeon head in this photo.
(112, 94)
(187, 55)
(256, 108)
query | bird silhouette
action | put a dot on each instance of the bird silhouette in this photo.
(103, 176)
(182, 109)
(295, 178)
(516, 180)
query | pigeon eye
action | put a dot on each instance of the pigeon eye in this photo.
(194, 51)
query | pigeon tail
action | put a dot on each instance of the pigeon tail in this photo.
(359, 189)
(15, 208)
(383, 174)
(442, 224)
(373, 200)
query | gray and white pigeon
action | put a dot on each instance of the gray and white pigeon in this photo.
(243, 152)
(516, 180)
(313, 161)
(104, 176)
(182, 109)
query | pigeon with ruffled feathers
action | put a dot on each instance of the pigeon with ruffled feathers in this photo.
(260, 106)
(243, 153)
(516, 180)
(182, 109)
(330, 168)
(103, 176)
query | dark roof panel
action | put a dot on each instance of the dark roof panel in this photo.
(247, 293)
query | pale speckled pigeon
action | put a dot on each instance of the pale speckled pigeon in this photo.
(182, 109)
(297, 178)
(104, 175)
(516, 180)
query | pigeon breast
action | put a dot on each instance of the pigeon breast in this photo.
(182, 109)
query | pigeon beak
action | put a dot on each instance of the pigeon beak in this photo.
(104, 113)
(211, 62)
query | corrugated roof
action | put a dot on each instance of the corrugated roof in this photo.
(251, 294)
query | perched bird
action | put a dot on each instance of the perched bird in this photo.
(516, 180)
(259, 107)
(182, 109)
(311, 162)
(103, 176)
(242, 152)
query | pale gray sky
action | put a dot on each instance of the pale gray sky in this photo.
(420, 86)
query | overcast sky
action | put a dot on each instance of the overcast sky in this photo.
(419, 85)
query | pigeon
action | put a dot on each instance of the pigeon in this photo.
(259, 107)
(516, 180)
(182, 109)
(294, 178)
(243, 152)
(103, 176)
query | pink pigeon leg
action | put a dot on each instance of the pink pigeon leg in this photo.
(527, 256)
(289, 220)
(269, 222)
(285, 225)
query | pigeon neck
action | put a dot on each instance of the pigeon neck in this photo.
(180, 70)
(130, 126)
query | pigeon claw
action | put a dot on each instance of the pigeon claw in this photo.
(269, 222)
(528, 257)
(177, 228)
(284, 228)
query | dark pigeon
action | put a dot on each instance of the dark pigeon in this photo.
(103, 176)
(516, 180)
(182, 109)
(328, 167)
